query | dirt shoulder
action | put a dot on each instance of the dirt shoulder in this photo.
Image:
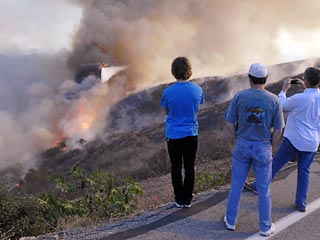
(159, 191)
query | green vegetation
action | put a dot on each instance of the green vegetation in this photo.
(21, 215)
(205, 181)
(83, 197)
(78, 194)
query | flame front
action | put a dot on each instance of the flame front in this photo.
(78, 123)
(86, 122)
(85, 118)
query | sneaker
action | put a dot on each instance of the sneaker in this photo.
(187, 205)
(178, 205)
(251, 187)
(227, 225)
(269, 232)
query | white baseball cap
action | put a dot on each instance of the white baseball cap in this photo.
(258, 70)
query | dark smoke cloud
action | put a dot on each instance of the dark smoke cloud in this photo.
(220, 37)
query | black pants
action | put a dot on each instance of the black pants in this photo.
(184, 151)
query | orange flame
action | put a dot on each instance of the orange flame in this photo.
(77, 123)
(85, 118)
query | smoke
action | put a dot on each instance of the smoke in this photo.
(37, 112)
(30, 105)
(219, 37)
(36, 25)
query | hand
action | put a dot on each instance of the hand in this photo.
(301, 83)
(286, 85)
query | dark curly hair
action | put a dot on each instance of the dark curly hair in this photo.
(181, 68)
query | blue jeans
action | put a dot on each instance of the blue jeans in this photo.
(259, 156)
(287, 152)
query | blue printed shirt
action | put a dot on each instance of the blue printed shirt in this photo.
(256, 112)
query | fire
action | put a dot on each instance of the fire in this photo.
(77, 124)
(85, 118)
(86, 122)
(60, 138)
(80, 123)
(85, 126)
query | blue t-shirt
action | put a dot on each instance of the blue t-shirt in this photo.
(256, 112)
(182, 101)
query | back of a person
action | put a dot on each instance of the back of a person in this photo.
(254, 117)
(256, 109)
(183, 99)
(181, 104)
(304, 117)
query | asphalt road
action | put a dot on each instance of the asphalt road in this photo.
(204, 219)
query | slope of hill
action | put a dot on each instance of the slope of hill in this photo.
(133, 144)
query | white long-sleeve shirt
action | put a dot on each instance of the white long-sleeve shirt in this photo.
(303, 122)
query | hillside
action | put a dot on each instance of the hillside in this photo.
(133, 143)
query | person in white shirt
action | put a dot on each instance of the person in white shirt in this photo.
(302, 131)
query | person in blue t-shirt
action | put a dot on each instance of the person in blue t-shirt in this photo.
(254, 117)
(181, 103)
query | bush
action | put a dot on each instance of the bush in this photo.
(21, 215)
(79, 194)
(207, 181)
(98, 197)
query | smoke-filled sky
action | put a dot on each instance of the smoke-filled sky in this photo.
(43, 42)
(37, 26)
(219, 36)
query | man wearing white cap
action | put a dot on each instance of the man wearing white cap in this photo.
(302, 132)
(251, 116)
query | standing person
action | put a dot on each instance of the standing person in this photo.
(302, 132)
(181, 103)
(254, 117)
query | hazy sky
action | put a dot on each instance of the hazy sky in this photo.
(48, 26)
(37, 25)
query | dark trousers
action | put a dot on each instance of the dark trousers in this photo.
(184, 151)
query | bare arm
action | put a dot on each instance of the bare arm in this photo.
(276, 134)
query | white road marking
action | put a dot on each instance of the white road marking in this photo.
(288, 220)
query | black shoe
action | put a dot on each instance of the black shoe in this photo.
(299, 209)
(251, 187)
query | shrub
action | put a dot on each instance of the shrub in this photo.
(205, 181)
(97, 196)
(21, 215)
(79, 194)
